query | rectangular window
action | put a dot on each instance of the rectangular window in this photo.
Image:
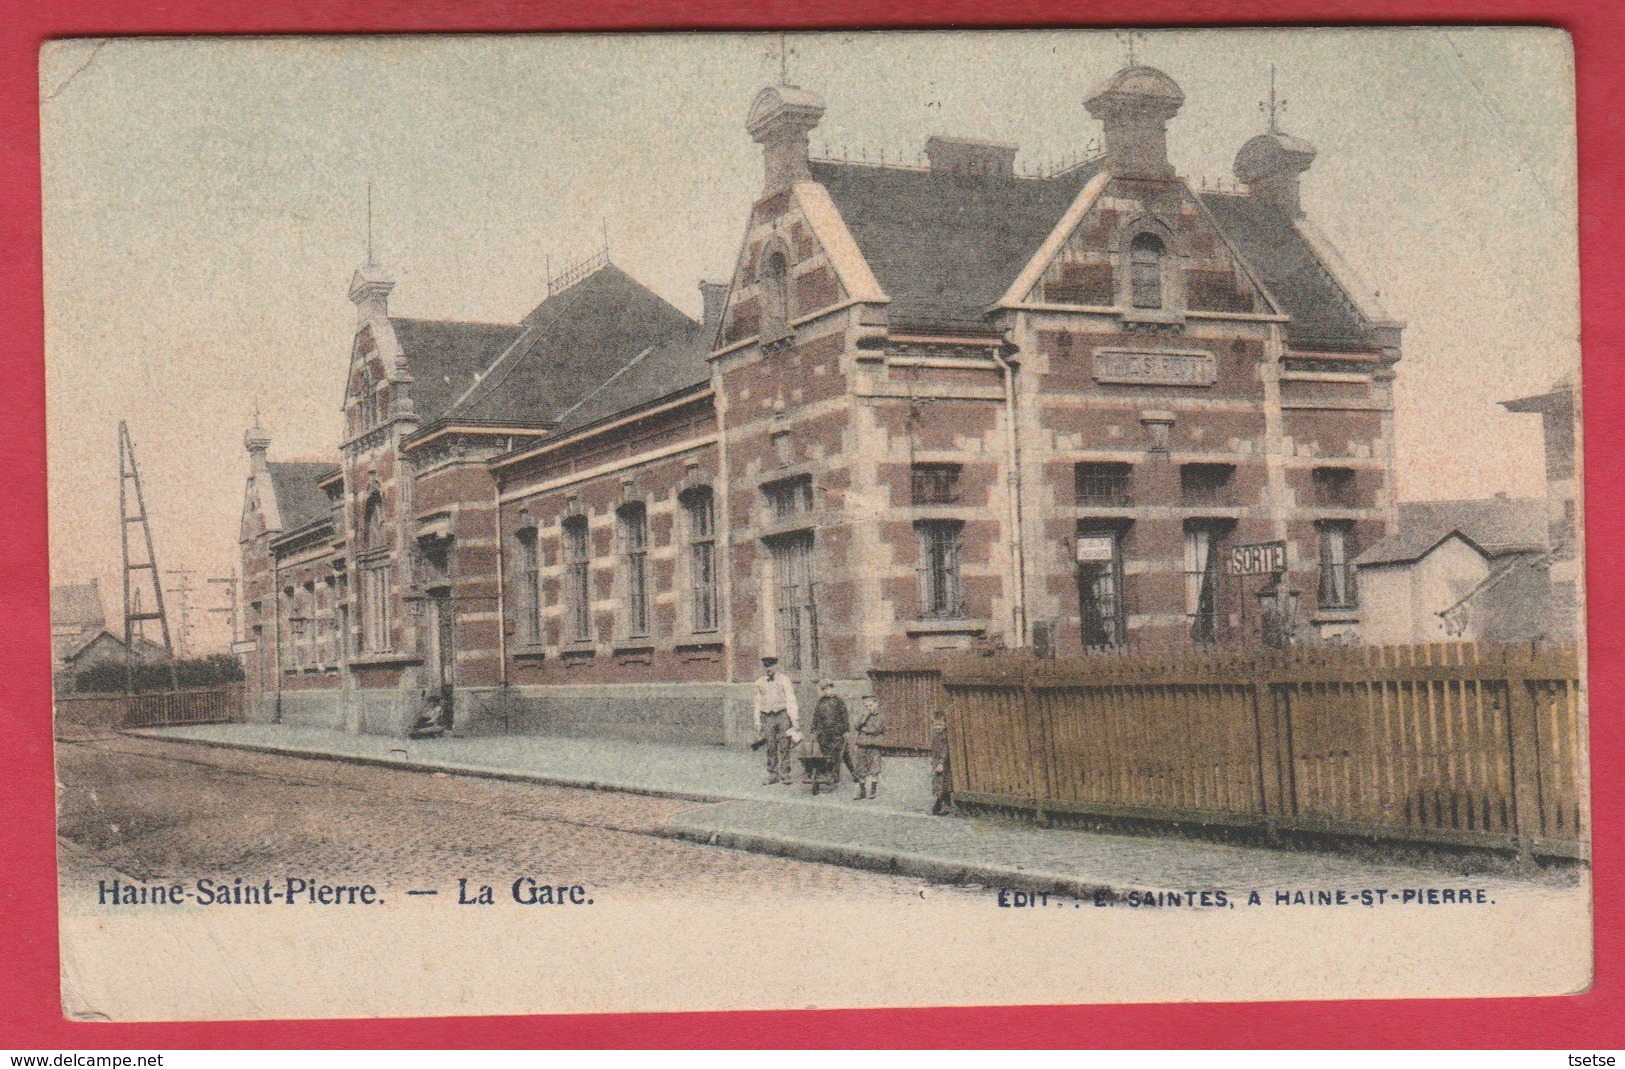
(311, 654)
(330, 623)
(1337, 587)
(634, 524)
(1334, 487)
(796, 611)
(702, 558)
(789, 500)
(344, 638)
(287, 635)
(1100, 589)
(530, 585)
(577, 577)
(1104, 485)
(1145, 274)
(296, 641)
(435, 556)
(940, 597)
(934, 484)
(1204, 555)
(1205, 484)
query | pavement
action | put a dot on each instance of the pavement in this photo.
(145, 810)
(893, 833)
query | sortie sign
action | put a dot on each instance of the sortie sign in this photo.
(1258, 558)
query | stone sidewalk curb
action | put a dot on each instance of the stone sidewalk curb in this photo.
(547, 779)
(874, 859)
(896, 862)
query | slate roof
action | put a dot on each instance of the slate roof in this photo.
(1558, 399)
(946, 246)
(299, 499)
(1322, 314)
(569, 346)
(1498, 526)
(445, 357)
(77, 604)
(81, 643)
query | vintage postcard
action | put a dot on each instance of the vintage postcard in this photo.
(728, 521)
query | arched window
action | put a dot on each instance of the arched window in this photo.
(376, 578)
(373, 534)
(775, 295)
(700, 509)
(1145, 271)
(577, 578)
(634, 530)
(530, 585)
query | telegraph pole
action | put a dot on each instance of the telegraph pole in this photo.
(230, 583)
(183, 623)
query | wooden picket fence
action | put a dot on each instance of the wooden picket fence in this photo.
(1445, 743)
(909, 690)
(168, 708)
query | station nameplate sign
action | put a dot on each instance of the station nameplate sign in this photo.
(1259, 558)
(1155, 368)
(1096, 549)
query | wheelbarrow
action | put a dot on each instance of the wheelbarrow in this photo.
(823, 770)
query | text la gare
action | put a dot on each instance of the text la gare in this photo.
(526, 890)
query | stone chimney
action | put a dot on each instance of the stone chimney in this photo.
(962, 155)
(1134, 105)
(369, 292)
(780, 120)
(1271, 165)
(715, 296)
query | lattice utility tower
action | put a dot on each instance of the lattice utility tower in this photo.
(142, 562)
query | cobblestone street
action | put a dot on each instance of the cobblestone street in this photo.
(149, 809)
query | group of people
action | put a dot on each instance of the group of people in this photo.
(834, 739)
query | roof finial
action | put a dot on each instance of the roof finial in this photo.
(369, 222)
(604, 224)
(1274, 107)
(784, 59)
(1128, 37)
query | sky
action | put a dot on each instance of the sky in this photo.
(205, 208)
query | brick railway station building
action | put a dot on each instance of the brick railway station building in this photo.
(933, 408)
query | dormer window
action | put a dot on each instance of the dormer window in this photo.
(368, 400)
(775, 295)
(1145, 271)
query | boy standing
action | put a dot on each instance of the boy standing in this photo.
(869, 734)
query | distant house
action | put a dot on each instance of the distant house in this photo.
(80, 638)
(1458, 570)
(1556, 409)
(104, 647)
(77, 618)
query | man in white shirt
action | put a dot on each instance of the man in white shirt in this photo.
(776, 717)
